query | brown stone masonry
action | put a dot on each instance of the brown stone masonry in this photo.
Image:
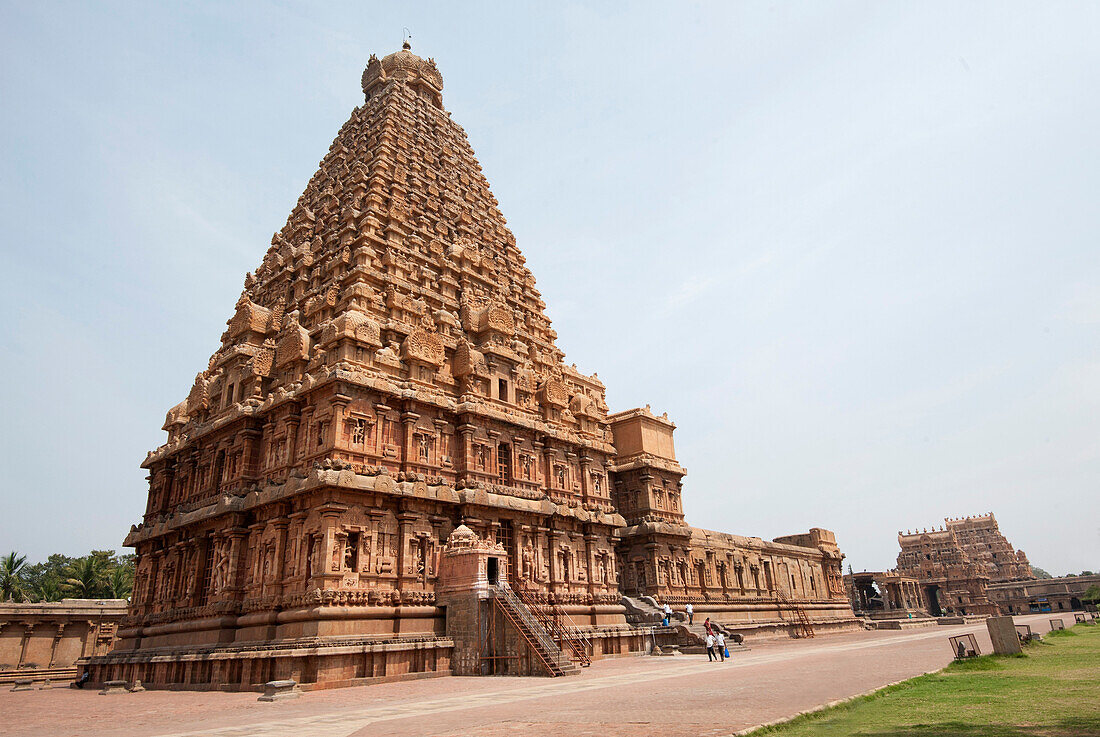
(45, 641)
(387, 375)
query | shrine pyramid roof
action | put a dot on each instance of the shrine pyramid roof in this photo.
(398, 245)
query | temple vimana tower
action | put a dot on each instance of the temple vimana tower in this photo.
(387, 468)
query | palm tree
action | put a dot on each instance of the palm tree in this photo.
(11, 584)
(48, 589)
(120, 582)
(86, 577)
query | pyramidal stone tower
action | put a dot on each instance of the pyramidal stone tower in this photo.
(389, 377)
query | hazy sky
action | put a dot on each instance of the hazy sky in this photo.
(850, 248)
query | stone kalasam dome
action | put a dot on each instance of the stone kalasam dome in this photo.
(407, 67)
(462, 537)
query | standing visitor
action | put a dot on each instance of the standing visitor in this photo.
(720, 645)
(668, 613)
(691, 613)
(710, 648)
(706, 624)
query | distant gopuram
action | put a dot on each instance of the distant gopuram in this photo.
(387, 377)
(983, 542)
(957, 563)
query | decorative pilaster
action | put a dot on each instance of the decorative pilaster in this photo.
(28, 632)
(56, 641)
(404, 527)
(408, 452)
(279, 564)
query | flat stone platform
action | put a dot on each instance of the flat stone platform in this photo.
(685, 696)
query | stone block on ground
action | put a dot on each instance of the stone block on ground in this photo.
(1002, 633)
(23, 684)
(113, 687)
(280, 690)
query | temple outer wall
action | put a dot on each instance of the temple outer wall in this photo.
(1059, 594)
(45, 640)
(751, 586)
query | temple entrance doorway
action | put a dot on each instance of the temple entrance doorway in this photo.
(493, 570)
(933, 594)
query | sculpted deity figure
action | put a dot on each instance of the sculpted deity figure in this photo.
(368, 548)
(221, 568)
(336, 549)
(315, 554)
(527, 564)
(349, 554)
(420, 562)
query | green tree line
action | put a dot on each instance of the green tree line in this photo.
(99, 575)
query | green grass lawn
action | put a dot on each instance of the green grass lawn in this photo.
(1053, 689)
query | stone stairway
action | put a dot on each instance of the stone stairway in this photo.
(692, 636)
(553, 658)
(645, 610)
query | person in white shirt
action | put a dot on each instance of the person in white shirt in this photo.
(720, 646)
(710, 648)
(691, 613)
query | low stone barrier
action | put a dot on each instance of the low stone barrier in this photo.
(280, 690)
(114, 687)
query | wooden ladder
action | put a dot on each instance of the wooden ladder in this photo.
(803, 627)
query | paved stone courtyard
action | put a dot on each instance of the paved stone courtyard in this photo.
(673, 697)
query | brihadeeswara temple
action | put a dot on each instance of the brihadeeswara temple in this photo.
(387, 470)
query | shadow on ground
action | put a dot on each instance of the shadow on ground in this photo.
(1074, 727)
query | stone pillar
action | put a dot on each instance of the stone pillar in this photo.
(292, 429)
(589, 540)
(279, 564)
(28, 632)
(251, 454)
(553, 538)
(540, 476)
(330, 515)
(586, 482)
(464, 456)
(652, 569)
(548, 467)
(89, 638)
(571, 465)
(339, 404)
(299, 544)
(154, 579)
(256, 569)
(404, 525)
(408, 452)
(56, 641)
(179, 575)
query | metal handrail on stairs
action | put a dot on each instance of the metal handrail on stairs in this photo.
(565, 631)
(506, 603)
